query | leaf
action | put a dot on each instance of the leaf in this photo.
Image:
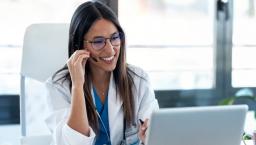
(227, 101)
(247, 136)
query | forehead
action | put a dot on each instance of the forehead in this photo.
(101, 27)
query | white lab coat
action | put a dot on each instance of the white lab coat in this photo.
(59, 103)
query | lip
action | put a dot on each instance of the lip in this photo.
(108, 61)
(108, 58)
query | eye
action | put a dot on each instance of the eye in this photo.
(98, 40)
(115, 36)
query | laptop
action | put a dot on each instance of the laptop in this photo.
(209, 125)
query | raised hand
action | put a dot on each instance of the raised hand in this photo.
(76, 66)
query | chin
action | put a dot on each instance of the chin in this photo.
(110, 69)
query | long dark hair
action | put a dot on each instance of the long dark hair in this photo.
(85, 15)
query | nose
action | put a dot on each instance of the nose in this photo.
(108, 42)
(109, 47)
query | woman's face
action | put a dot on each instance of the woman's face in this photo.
(104, 52)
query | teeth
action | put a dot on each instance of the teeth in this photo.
(108, 58)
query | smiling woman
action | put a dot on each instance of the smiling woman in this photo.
(96, 97)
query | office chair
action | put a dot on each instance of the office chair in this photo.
(44, 52)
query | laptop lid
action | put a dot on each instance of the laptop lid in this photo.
(210, 125)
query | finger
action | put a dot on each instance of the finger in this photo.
(141, 132)
(142, 129)
(79, 52)
(82, 51)
(75, 55)
(81, 60)
(84, 62)
(145, 125)
(69, 63)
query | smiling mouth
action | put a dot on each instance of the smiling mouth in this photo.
(107, 59)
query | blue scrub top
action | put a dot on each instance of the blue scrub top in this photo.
(102, 137)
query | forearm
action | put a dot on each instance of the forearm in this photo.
(78, 116)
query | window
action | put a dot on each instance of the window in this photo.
(186, 47)
(244, 44)
(16, 16)
(172, 40)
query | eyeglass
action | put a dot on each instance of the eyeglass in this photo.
(100, 42)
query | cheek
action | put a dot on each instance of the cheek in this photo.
(92, 52)
(86, 45)
(117, 50)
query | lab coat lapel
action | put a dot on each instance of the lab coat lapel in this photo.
(114, 102)
(115, 112)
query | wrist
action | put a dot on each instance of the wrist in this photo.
(77, 91)
(77, 88)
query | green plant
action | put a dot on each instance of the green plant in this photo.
(247, 136)
(231, 100)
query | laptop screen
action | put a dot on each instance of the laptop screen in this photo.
(210, 125)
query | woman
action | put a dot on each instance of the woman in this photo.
(97, 98)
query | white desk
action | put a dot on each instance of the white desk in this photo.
(250, 123)
(248, 142)
(10, 134)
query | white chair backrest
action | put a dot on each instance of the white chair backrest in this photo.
(45, 50)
